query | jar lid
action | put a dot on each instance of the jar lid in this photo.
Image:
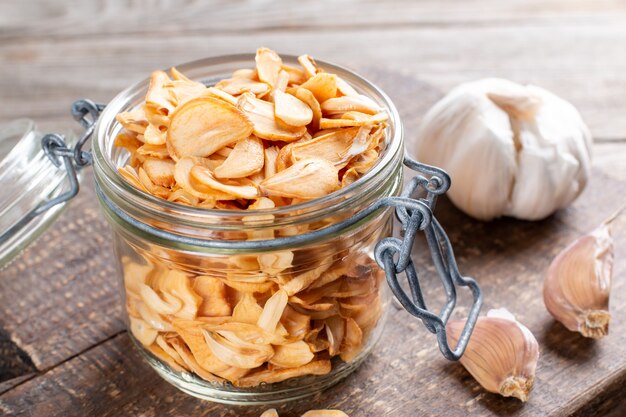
(28, 178)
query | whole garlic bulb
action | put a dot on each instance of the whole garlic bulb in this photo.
(511, 150)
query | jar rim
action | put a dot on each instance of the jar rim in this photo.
(106, 171)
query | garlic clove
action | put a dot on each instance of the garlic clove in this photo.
(576, 289)
(501, 354)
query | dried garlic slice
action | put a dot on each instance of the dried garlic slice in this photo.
(142, 331)
(236, 86)
(244, 189)
(307, 97)
(160, 102)
(318, 367)
(323, 86)
(335, 333)
(306, 179)
(292, 355)
(303, 280)
(352, 341)
(291, 110)
(261, 114)
(178, 285)
(212, 123)
(162, 355)
(182, 174)
(192, 334)
(247, 310)
(189, 360)
(160, 171)
(344, 88)
(268, 65)
(309, 65)
(334, 147)
(154, 151)
(353, 119)
(359, 103)
(213, 293)
(134, 120)
(272, 311)
(223, 95)
(270, 156)
(234, 351)
(296, 75)
(295, 323)
(246, 158)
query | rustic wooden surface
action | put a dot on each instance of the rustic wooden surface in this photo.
(63, 349)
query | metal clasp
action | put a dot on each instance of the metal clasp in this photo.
(419, 217)
(86, 112)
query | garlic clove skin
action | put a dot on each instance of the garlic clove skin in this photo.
(501, 355)
(577, 287)
(511, 150)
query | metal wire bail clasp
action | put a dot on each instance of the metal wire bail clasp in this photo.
(417, 215)
(86, 112)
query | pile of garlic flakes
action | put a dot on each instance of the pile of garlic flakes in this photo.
(288, 134)
(264, 138)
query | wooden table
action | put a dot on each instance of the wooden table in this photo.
(63, 347)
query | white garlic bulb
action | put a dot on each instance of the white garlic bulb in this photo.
(511, 150)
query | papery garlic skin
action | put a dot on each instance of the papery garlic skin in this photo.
(501, 354)
(511, 150)
(577, 287)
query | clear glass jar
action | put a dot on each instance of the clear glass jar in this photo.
(211, 320)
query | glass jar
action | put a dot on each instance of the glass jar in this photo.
(250, 322)
(245, 307)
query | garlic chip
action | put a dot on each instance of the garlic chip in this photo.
(309, 178)
(268, 65)
(359, 103)
(291, 110)
(261, 114)
(333, 147)
(322, 85)
(211, 122)
(246, 158)
(203, 176)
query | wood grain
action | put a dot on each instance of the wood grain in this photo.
(53, 54)
(60, 296)
(59, 300)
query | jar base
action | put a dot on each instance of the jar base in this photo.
(289, 390)
(265, 394)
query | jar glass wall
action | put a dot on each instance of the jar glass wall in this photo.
(259, 323)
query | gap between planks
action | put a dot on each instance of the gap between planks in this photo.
(69, 358)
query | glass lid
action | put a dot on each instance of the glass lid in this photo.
(28, 179)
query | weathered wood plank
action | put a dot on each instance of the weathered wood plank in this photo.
(60, 296)
(76, 18)
(581, 59)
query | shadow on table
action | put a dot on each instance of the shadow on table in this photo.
(568, 345)
(497, 404)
